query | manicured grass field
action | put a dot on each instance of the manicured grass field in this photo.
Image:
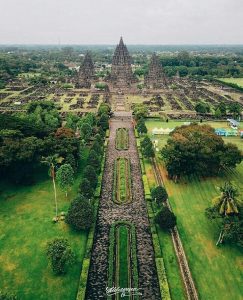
(217, 271)
(166, 245)
(25, 227)
(238, 81)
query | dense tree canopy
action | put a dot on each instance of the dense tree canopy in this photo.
(196, 149)
(60, 255)
(80, 215)
(147, 147)
(159, 194)
(165, 218)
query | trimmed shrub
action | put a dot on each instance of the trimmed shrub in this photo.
(83, 279)
(166, 218)
(60, 255)
(80, 215)
(86, 189)
(163, 283)
(90, 174)
(159, 194)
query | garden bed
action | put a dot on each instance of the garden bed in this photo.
(122, 139)
(122, 181)
(123, 269)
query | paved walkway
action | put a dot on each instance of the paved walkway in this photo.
(134, 212)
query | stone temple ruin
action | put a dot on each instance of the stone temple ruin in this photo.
(86, 72)
(121, 70)
(155, 77)
(122, 76)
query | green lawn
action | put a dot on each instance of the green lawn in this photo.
(217, 271)
(123, 258)
(25, 227)
(166, 245)
(238, 81)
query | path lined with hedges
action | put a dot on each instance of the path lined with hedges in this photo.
(134, 212)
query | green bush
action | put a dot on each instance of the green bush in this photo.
(7, 296)
(80, 214)
(91, 175)
(166, 218)
(60, 255)
(159, 194)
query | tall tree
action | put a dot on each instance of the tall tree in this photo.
(65, 177)
(52, 162)
(159, 194)
(199, 145)
(224, 206)
(147, 147)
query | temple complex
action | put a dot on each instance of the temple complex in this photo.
(86, 72)
(155, 77)
(121, 70)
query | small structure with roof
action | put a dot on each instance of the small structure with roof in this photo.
(160, 131)
(233, 123)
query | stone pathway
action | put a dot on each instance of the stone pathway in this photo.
(134, 212)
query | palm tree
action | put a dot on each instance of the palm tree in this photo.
(226, 204)
(52, 161)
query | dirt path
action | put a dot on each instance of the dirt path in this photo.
(134, 212)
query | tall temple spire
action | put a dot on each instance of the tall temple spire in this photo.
(155, 77)
(86, 71)
(121, 71)
(121, 41)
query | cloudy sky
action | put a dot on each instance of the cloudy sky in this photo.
(138, 21)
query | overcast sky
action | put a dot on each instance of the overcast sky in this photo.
(138, 21)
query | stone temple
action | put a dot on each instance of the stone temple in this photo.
(155, 77)
(121, 70)
(86, 72)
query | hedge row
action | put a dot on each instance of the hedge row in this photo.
(163, 283)
(89, 245)
(107, 133)
(146, 187)
(136, 133)
(99, 184)
(142, 166)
